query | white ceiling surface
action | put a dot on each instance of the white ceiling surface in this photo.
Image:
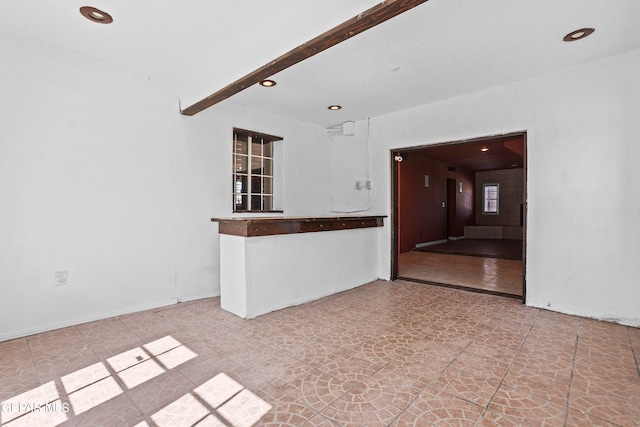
(438, 50)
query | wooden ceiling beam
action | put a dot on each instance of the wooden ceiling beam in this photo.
(356, 25)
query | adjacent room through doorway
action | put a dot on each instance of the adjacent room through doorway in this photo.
(459, 214)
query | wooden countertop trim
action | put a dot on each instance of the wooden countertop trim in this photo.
(252, 227)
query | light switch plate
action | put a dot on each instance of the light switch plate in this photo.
(61, 278)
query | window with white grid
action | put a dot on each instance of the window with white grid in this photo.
(253, 171)
(490, 199)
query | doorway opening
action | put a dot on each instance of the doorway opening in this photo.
(459, 214)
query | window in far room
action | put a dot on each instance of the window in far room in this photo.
(253, 171)
(490, 198)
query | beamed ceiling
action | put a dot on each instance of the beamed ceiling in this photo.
(436, 50)
(350, 28)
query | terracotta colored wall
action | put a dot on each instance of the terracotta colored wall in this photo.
(421, 215)
(465, 206)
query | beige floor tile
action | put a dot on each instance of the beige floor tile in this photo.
(527, 408)
(386, 353)
(439, 408)
(367, 404)
(553, 388)
(489, 274)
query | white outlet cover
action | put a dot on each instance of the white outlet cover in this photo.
(61, 278)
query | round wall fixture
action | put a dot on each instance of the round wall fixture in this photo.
(96, 15)
(578, 34)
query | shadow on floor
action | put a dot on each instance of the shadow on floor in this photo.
(487, 248)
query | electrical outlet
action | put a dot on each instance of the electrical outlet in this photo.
(61, 278)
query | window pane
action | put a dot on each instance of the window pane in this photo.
(267, 167)
(240, 202)
(256, 185)
(267, 203)
(490, 198)
(240, 184)
(240, 164)
(256, 146)
(267, 149)
(241, 144)
(256, 165)
(255, 202)
(267, 185)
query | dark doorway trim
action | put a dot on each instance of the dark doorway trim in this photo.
(524, 219)
(462, 288)
(395, 155)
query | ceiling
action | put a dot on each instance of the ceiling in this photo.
(501, 152)
(439, 49)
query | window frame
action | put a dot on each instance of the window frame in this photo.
(248, 176)
(485, 211)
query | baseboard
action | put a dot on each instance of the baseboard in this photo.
(435, 242)
(456, 237)
(92, 318)
(198, 297)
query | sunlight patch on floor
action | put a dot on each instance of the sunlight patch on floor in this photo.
(219, 398)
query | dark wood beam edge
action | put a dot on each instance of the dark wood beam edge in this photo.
(356, 25)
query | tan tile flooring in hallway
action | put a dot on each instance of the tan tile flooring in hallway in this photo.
(386, 353)
(500, 276)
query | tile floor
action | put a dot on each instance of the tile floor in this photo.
(384, 354)
(500, 276)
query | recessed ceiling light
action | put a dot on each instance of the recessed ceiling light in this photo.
(484, 149)
(578, 34)
(96, 15)
(268, 83)
(334, 107)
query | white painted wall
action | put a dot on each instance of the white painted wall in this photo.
(583, 180)
(263, 274)
(100, 176)
(349, 163)
(233, 274)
